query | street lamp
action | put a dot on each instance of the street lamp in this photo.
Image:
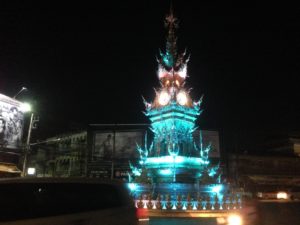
(47, 141)
(23, 89)
(25, 107)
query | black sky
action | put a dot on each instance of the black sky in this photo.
(91, 63)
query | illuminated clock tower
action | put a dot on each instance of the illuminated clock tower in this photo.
(173, 157)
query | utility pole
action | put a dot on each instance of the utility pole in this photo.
(113, 155)
(27, 147)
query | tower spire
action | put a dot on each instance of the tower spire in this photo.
(171, 23)
(171, 59)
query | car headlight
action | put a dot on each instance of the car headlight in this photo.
(234, 220)
(230, 220)
(282, 195)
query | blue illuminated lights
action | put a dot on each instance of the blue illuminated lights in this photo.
(173, 160)
(166, 172)
(135, 171)
(213, 171)
(178, 161)
(168, 59)
(132, 186)
(173, 150)
(217, 188)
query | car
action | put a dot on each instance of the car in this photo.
(274, 195)
(65, 201)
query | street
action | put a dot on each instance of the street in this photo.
(279, 212)
(269, 213)
(183, 221)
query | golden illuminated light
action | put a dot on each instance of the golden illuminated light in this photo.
(234, 220)
(164, 98)
(181, 98)
(221, 220)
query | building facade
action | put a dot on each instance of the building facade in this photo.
(101, 151)
(264, 173)
(60, 156)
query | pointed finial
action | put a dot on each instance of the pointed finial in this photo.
(171, 21)
(171, 49)
(171, 8)
(170, 59)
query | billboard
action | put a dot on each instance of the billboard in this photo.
(209, 137)
(117, 145)
(103, 145)
(11, 122)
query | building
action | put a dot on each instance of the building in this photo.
(283, 144)
(101, 151)
(258, 173)
(60, 156)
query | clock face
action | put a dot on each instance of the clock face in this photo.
(164, 98)
(181, 98)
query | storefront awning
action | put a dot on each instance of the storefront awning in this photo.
(9, 168)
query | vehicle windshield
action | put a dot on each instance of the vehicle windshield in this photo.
(31, 200)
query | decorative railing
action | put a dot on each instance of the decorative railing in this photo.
(226, 202)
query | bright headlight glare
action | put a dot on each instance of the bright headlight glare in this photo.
(282, 195)
(234, 220)
(31, 171)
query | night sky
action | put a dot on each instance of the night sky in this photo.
(91, 63)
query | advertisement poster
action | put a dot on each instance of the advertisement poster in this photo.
(11, 122)
(103, 145)
(126, 144)
(117, 145)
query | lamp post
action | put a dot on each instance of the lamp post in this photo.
(23, 89)
(27, 147)
(27, 108)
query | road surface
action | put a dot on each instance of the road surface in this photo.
(270, 213)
